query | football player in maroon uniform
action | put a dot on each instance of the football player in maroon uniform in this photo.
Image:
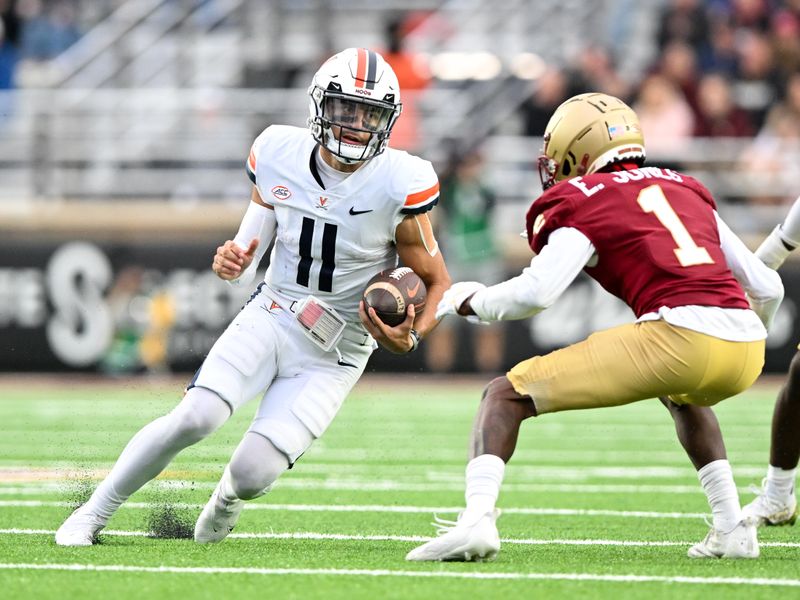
(776, 504)
(703, 303)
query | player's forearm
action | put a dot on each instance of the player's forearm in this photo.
(259, 223)
(540, 284)
(782, 240)
(427, 321)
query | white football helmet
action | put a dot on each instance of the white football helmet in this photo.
(354, 93)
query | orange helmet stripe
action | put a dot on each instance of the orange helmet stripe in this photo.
(361, 69)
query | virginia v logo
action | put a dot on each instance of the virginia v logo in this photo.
(322, 204)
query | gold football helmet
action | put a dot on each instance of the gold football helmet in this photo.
(586, 133)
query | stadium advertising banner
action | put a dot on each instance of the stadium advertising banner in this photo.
(128, 307)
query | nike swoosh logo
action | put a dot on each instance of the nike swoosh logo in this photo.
(413, 291)
(353, 211)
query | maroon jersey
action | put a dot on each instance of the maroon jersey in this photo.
(655, 234)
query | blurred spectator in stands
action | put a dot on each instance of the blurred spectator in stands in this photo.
(123, 353)
(412, 74)
(757, 83)
(48, 30)
(686, 21)
(550, 90)
(665, 116)
(786, 41)
(767, 162)
(9, 46)
(468, 245)
(750, 14)
(720, 55)
(678, 63)
(595, 72)
(717, 115)
(791, 96)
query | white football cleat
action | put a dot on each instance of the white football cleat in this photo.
(217, 519)
(80, 529)
(765, 510)
(739, 542)
(474, 540)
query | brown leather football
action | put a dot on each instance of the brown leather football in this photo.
(391, 291)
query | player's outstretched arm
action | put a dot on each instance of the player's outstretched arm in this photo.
(549, 274)
(236, 260)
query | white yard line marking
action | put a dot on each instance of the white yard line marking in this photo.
(758, 581)
(390, 508)
(366, 485)
(310, 535)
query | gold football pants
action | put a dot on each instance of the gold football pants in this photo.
(639, 361)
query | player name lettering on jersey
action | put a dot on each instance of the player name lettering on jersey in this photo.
(589, 191)
(646, 173)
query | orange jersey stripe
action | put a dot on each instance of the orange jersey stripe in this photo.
(251, 161)
(361, 69)
(423, 196)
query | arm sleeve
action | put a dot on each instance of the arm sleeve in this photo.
(782, 240)
(763, 285)
(258, 222)
(791, 225)
(549, 274)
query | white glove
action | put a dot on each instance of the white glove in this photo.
(454, 297)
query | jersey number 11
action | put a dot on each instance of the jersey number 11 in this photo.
(328, 254)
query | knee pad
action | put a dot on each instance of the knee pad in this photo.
(255, 466)
(200, 413)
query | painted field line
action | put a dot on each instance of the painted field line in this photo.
(383, 508)
(371, 485)
(448, 473)
(759, 581)
(310, 535)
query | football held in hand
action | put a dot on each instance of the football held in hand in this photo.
(391, 291)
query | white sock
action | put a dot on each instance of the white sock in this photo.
(227, 494)
(717, 481)
(484, 477)
(780, 483)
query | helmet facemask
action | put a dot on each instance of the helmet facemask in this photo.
(353, 129)
(548, 168)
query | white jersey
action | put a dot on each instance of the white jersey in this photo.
(330, 242)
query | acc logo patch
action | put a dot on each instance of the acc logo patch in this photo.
(281, 192)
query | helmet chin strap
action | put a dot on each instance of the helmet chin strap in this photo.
(345, 161)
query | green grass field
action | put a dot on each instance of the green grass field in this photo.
(597, 504)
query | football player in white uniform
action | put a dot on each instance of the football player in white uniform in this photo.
(340, 206)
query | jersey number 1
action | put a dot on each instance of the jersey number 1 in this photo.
(328, 254)
(653, 200)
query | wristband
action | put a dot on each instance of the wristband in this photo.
(415, 339)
